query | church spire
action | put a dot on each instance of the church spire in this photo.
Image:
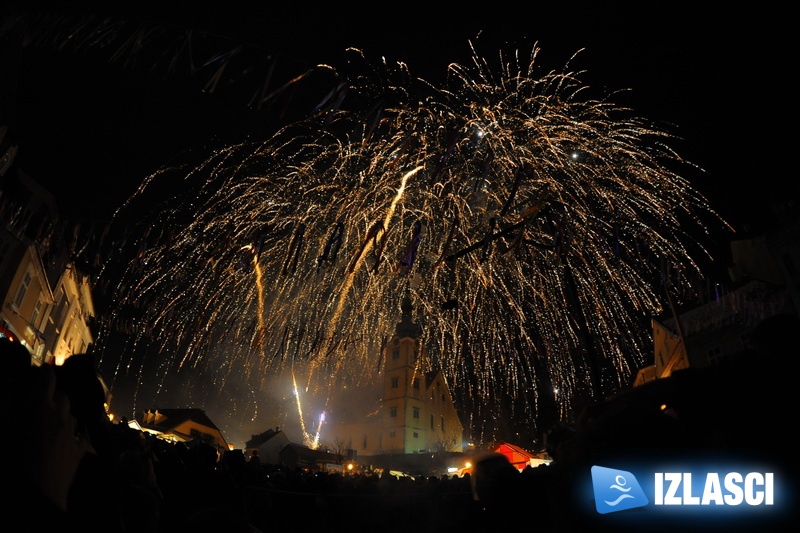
(406, 327)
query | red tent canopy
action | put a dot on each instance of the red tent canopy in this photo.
(517, 456)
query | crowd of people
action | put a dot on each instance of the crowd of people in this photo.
(69, 466)
(72, 467)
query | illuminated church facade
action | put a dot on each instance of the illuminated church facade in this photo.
(416, 413)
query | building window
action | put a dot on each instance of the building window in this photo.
(396, 353)
(443, 429)
(393, 412)
(391, 434)
(431, 421)
(62, 306)
(364, 443)
(416, 435)
(416, 412)
(37, 311)
(416, 383)
(23, 289)
(395, 382)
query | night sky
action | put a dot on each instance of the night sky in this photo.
(706, 75)
(91, 127)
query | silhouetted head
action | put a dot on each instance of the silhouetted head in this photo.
(557, 438)
(78, 379)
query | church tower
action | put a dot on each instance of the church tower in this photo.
(418, 411)
(415, 412)
(404, 369)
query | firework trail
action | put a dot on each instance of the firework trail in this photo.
(529, 225)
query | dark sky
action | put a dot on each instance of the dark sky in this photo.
(91, 126)
(84, 118)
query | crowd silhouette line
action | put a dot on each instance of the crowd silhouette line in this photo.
(74, 468)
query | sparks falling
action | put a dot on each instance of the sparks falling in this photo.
(531, 232)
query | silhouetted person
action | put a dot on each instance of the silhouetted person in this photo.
(95, 499)
(495, 486)
(42, 470)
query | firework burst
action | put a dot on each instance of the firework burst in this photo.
(529, 224)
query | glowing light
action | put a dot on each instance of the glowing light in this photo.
(306, 437)
(545, 224)
(315, 441)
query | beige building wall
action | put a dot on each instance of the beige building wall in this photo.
(73, 310)
(53, 325)
(28, 300)
(212, 436)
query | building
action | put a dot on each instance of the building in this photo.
(68, 331)
(26, 294)
(268, 445)
(519, 457)
(298, 457)
(765, 281)
(182, 425)
(47, 303)
(416, 411)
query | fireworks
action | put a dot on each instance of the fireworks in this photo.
(530, 226)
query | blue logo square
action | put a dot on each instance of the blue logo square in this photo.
(616, 490)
